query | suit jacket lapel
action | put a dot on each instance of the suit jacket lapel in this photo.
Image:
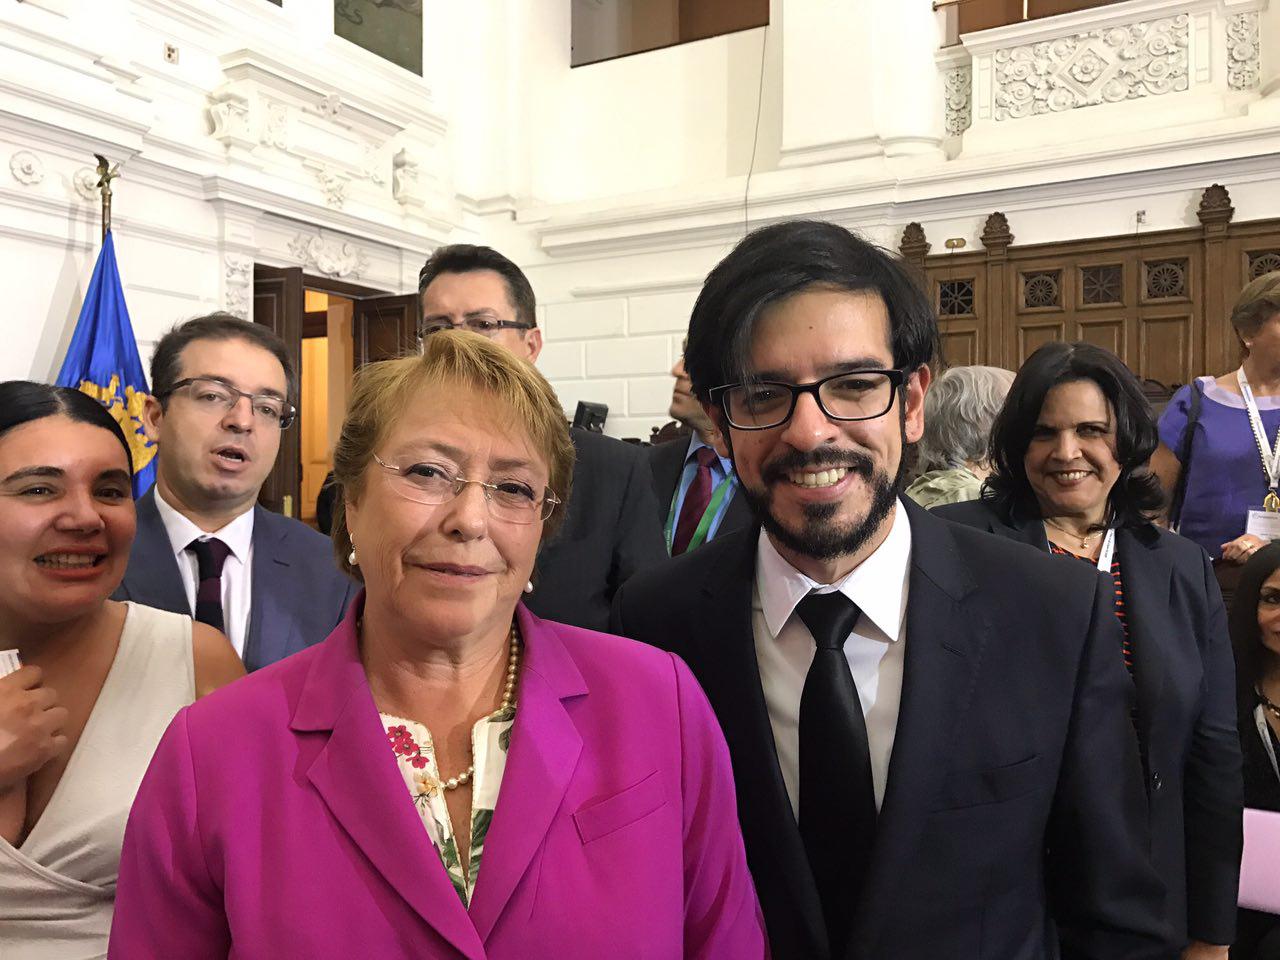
(731, 680)
(545, 746)
(1147, 574)
(355, 775)
(267, 639)
(946, 638)
(1029, 530)
(668, 464)
(153, 578)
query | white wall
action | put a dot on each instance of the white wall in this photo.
(617, 185)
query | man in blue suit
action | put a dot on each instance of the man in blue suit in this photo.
(220, 403)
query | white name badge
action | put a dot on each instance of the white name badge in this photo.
(1263, 524)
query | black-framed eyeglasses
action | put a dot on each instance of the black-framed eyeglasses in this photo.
(484, 326)
(852, 395)
(218, 396)
(510, 500)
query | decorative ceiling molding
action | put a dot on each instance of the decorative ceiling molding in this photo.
(333, 258)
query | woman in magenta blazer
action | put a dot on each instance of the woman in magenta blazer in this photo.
(446, 776)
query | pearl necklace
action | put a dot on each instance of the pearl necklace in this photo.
(508, 704)
(508, 701)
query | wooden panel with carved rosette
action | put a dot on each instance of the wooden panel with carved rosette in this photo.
(1159, 300)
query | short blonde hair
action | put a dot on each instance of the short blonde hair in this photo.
(1258, 302)
(450, 358)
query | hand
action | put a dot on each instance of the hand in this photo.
(1196, 950)
(1242, 548)
(31, 725)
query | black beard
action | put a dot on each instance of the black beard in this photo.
(819, 539)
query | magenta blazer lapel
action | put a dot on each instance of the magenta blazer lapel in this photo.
(356, 776)
(544, 754)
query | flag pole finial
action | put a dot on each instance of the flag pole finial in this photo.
(106, 173)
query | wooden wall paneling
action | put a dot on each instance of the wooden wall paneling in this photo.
(996, 240)
(1159, 300)
(1165, 349)
(958, 284)
(1253, 248)
(1215, 213)
(1171, 311)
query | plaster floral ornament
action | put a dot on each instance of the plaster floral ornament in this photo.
(1088, 68)
(1142, 59)
(26, 167)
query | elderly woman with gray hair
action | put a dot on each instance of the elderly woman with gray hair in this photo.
(959, 410)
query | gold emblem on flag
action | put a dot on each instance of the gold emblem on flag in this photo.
(127, 412)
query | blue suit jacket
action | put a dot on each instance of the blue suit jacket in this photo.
(299, 594)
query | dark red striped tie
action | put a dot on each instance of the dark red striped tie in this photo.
(696, 499)
(211, 553)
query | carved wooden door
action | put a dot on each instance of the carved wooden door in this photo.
(385, 327)
(278, 304)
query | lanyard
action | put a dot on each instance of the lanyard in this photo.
(1270, 453)
(1264, 731)
(1108, 550)
(708, 515)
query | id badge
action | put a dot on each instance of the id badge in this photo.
(1263, 524)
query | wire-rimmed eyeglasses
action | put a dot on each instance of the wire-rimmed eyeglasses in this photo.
(511, 500)
(485, 326)
(219, 396)
(851, 395)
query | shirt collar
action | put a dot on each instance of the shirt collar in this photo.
(237, 535)
(878, 585)
(696, 441)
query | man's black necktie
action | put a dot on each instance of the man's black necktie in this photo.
(211, 554)
(837, 798)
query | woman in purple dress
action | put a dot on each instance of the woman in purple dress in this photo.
(1230, 448)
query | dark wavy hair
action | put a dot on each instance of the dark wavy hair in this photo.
(774, 262)
(1137, 496)
(1246, 638)
(24, 401)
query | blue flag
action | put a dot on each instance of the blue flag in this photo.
(103, 362)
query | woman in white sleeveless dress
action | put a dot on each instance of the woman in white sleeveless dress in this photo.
(100, 680)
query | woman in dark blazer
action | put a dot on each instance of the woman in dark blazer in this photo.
(1069, 451)
(1255, 635)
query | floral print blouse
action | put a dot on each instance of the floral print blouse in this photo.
(416, 758)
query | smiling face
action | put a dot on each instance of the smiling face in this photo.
(825, 488)
(1269, 613)
(214, 460)
(447, 571)
(66, 519)
(1071, 460)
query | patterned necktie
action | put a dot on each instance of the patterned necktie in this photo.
(211, 553)
(837, 797)
(695, 503)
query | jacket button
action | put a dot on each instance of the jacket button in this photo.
(1156, 782)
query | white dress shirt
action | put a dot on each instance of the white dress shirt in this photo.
(875, 648)
(237, 572)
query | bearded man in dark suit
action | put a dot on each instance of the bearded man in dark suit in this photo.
(929, 727)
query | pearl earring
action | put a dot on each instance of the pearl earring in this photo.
(351, 557)
(528, 587)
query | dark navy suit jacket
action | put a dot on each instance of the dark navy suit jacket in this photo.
(299, 594)
(1014, 824)
(1184, 680)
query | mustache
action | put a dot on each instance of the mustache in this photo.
(821, 458)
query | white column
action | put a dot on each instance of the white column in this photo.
(828, 79)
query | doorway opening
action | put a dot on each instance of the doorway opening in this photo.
(330, 328)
